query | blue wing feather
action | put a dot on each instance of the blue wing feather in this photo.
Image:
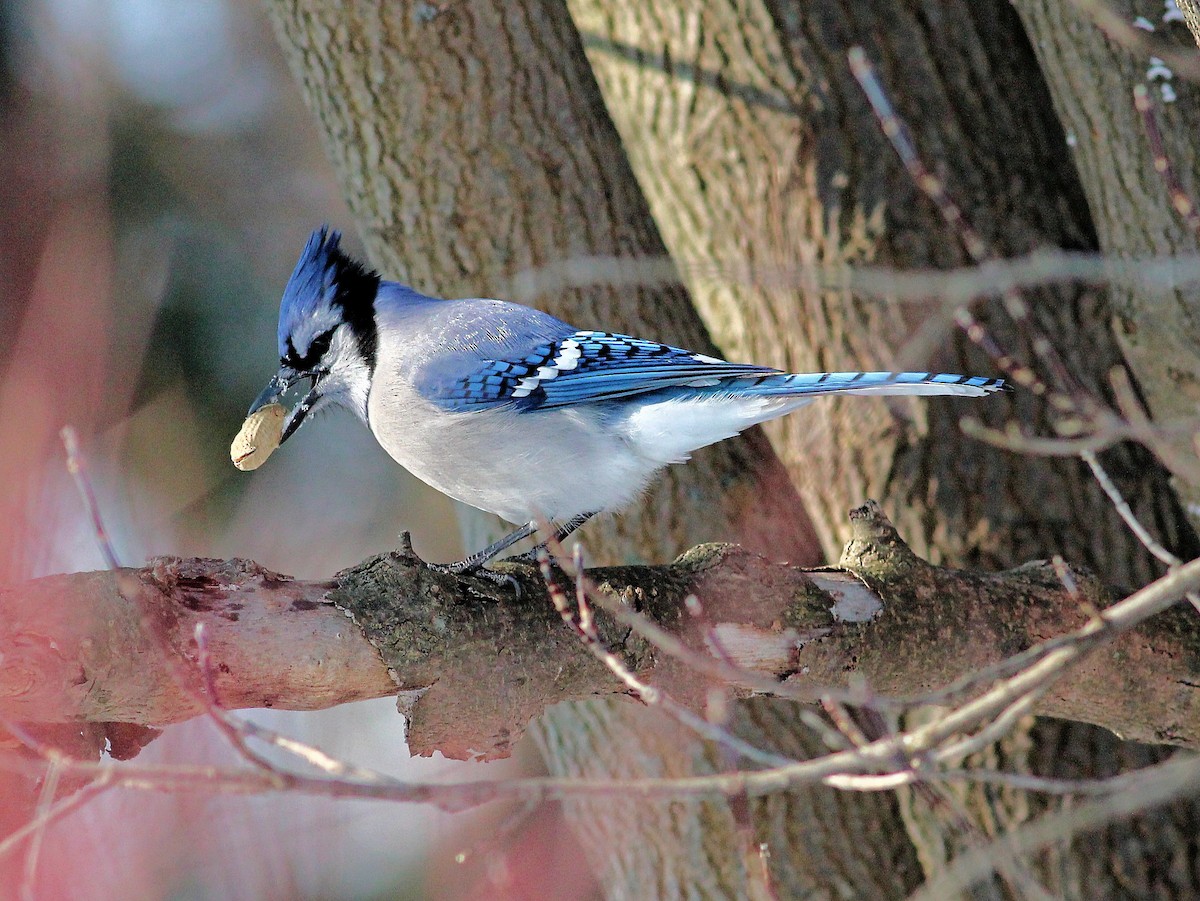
(584, 367)
(587, 367)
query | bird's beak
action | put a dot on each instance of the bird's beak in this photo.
(280, 382)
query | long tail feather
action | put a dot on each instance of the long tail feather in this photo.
(815, 383)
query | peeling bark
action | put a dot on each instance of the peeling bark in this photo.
(121, 647)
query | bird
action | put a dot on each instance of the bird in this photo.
(515, 412)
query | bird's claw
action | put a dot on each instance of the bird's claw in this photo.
(496, 578)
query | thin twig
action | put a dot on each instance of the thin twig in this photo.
(1070, 396)
(224, 723)
(1008, 695)
(1106, 430)
(1155, 434)
(1184, 62)
(1156, 597)
(951, 287)
(970, 682)
(1126, 513)
(1016, 873)
(652, 696)
(59, 809)
(77, 467)
(1180, 199)
(996, 729)
(1168, 782)
(463, 795)
(239, 732)
(1014, 438)
(695, 609)
(704, 664)
(33, 851)
(840, 715)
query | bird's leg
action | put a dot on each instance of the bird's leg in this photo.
(560, 535)
(475, 562)
(493, 550)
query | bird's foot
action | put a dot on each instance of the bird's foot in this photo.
(474, 564)
(465, 568)
(528, 558)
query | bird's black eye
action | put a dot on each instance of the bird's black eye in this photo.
(316, 350)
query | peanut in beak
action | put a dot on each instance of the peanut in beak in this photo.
(258, 438)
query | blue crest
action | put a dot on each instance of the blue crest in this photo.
(326, 288)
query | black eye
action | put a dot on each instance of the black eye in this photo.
(316, 350)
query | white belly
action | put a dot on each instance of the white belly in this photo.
(553, 464)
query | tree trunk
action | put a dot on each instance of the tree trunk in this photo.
(1090, 80)
(823, 843)
(750, 110)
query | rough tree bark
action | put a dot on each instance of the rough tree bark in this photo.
(1091, 80)
(750, 110)
(471, 141)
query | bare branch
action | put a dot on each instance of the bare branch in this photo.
(992, 278)
(1141, 791)
(41, 816)
(77, 467)
(1185, 62)
(277, 642)
(37, 824)
(1067, 394)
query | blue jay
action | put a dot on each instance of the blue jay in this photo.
(513, 411)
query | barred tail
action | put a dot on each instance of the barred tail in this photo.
(816, 383)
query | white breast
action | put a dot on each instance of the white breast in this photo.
(553, 464)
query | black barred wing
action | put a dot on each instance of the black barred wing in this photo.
(586, 367)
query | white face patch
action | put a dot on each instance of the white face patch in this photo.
(320, 321)
(348, 380)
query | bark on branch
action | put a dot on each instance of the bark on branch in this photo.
(475, 663)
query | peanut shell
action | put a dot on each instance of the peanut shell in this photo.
(258, 438)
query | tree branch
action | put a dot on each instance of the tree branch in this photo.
(475, 663)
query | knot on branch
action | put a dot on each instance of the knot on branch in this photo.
(875, 547)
